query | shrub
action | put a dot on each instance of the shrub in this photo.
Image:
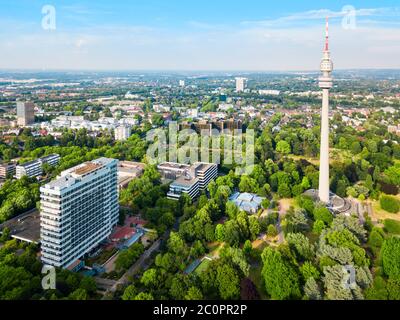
(392, 226)
(390, 204)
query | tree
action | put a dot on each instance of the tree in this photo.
(318, 226)
(301, 245)
(281, 279)
(323, 214)
(144, 296)
(220, 233)
(312, 290)
(129, 293)
(78, 294)
(150, 278)
(309, 271)
(283, 147)
(390, 254)
(334, 279)
(194, 293)
(284, 191)
(228, 282)
(248, 184)
(272, 231)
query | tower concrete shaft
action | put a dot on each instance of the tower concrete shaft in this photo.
(325, 83)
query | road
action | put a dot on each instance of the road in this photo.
(133, 269)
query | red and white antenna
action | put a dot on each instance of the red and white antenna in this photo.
(327, 35)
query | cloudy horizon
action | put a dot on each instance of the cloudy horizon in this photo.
(180, 35)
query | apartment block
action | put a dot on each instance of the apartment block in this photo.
(122, 133)
(7, 170)
(34, 169)
(78, 211)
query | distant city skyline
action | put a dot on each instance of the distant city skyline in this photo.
(226, 35)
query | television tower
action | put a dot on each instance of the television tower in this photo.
(325, 83)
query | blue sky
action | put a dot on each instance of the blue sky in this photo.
(257, 35)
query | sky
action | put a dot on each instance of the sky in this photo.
(213, 35)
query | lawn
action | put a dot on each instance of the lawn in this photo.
(202, 266)
(392, 226)
(380, 215)
(256, 277)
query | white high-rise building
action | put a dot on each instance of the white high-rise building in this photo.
(122, 133)
(240, 84)
(325, 83)
(78, 211)
(181, 83)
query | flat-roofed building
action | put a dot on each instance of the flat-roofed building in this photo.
(34, 169)
(172, 170)
(189, 179)
(127, 171)
(7, 170)
(78, 211)
(184, 184)
(25, 113)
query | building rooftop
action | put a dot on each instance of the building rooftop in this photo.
(71, 176)
(87, 168)
(185, 181)
(175, 166)
(25, 227)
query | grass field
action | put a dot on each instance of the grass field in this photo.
(202, 266)
(392, 226)
(380, 215)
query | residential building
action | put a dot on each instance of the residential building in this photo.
(34, 168)
(181, 83)
(25, 113)
(122, 133)
(240, 84)
(78, 211)
(7, 170)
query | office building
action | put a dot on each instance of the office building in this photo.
(122, 133)
(34, 168)
(188, 179)
(25, 113)
(78, 211)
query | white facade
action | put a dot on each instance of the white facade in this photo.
(122, 133)
(240, 84)
(34, 168)
(191, 180)
(78, 211)
(325, 83)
